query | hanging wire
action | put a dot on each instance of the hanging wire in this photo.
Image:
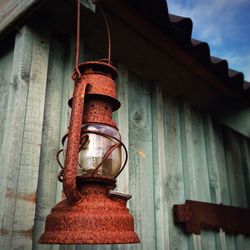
(107, 27)
(77, 74)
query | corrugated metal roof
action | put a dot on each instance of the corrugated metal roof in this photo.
(180, 29)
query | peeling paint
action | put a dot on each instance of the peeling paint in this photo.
(141, 154)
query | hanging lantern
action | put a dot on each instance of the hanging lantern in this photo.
(92, 212)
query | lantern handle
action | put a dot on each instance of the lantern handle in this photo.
(98, 4)
(74, 135)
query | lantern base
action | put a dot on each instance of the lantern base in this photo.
(99, 218)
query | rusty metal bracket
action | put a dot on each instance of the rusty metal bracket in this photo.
(196, 215)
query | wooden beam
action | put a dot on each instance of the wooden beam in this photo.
(131, 18)
(197, 215)
(13, 12)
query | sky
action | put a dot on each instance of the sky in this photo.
(223, 24)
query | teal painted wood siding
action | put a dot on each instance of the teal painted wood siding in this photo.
(175, 152)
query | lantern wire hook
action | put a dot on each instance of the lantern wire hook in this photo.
(97, 2)
(76, 74)
(78, 24)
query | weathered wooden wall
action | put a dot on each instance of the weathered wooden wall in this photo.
(175, 152)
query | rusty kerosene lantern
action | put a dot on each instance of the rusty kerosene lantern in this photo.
(92, 212)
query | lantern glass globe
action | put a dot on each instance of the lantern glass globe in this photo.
(96, 144)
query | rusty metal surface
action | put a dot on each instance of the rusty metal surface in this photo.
(97, 85)
(100, 84)
(97, 219)
(70, 166)
(98, 66)
(90, 215)
(100, 76)
(180, 29)
(98, 111)
(196, 215)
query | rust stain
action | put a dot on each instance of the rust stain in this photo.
(4, 232)
(25, 233)
(11, 193)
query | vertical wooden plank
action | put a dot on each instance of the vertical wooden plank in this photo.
(161, 188)
(222, 167)
(68, 87)
(12, 139)
(188, 162)
(245, 149)
(175, 190)
(200, 163)
(67, 247)
(235, 175)
(244, 166)
(15, 111)
(67, 90)
(213, 174)
(245, 160)
(212, 161)
(235, 170)
(141, 162)
(46, 192)
(6, 60)
(31, 145)
(25, 116)
(187, 151)
(122, 123)
(223, 177)
(201, 172)
(101, 247)
(195, 168)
